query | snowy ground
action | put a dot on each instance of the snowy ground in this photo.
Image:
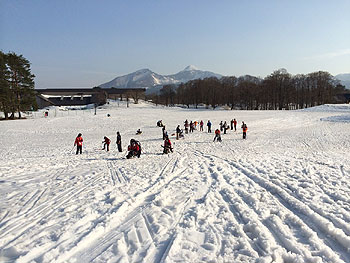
(283, 195)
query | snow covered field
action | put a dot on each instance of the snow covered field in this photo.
(282, 195)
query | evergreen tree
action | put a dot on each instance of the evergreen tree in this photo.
(22, 94)
(5, 91)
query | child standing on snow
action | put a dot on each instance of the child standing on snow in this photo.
(225, 127)
(209, 126)
(119, 142)
(235, 124)
(245, 129)
(201, 125)
(79, 143)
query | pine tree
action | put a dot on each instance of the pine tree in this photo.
(4, 86)
(22, 97)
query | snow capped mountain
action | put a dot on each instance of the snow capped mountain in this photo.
(191, 72)
(344, 79)
(145, 78)
(190, 67)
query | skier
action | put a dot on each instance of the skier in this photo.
(201, 125)
(186, 126)
(209, 126)
(245, 129)
(134, 149)
(217, 135)
(235, 124)
(119, 142)
(167, 146)
(79, 143)
(106, 142)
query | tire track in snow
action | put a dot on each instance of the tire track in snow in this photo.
(133, 213)
(42, 211)
(338, 242)
(293, 191)
(252, 239)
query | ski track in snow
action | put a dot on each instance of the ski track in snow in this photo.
(282, 195)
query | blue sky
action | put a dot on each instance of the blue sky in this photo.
(86, 43)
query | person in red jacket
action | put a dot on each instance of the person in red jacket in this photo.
(235, 124)
(79, 143)
(167, 146)
(217, 135)
(106, 143)
(134, 149)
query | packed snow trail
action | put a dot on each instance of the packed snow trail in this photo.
(282, 195)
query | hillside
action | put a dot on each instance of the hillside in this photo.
(282, 195)
(344, 79)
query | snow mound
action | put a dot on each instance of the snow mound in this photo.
(329, 108)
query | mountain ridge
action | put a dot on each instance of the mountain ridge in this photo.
(344, 79)
(146, 78)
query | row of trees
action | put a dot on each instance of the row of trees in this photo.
(16, 85)
(279, 90)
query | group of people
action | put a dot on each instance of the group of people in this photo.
(135, 146)
(192, 125)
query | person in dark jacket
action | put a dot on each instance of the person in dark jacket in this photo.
(245, 129)
(164, 132)
(209, 126)
(221, 126)
(119, 142)
(79, 143)
(225, 126)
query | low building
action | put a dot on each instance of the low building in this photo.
(80, 96)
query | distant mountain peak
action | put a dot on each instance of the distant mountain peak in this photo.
(190, 68)
(146, 78)
(144, 70)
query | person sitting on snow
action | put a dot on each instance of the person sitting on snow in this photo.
(134, 149)
(138, 132)
(167, 146)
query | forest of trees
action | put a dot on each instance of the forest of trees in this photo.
(16, 85)
(279, 90)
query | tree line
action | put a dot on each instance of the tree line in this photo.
(279, 90)
(16, 85)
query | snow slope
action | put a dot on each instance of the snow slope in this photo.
(282, 195)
